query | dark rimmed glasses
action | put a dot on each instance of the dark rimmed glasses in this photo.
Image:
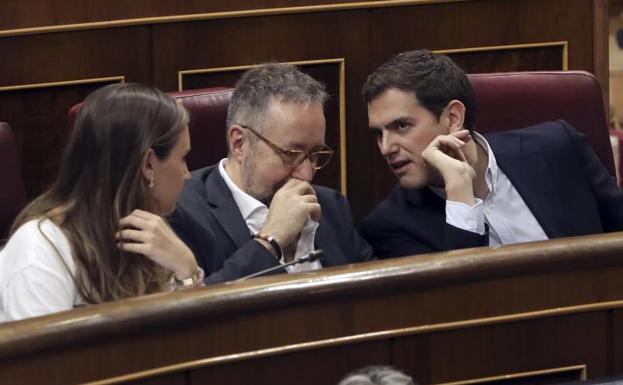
(293, 158)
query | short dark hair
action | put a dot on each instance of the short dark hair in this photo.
(435, 79)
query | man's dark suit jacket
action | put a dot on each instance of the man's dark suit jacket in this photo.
(207, 219)
(557, 174)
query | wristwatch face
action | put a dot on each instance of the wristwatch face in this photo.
(195, 280)
(186, 281)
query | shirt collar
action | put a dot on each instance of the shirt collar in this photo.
(247, 205)
(492, 166)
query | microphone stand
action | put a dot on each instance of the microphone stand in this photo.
(310, 257)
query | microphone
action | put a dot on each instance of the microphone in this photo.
(310, 257)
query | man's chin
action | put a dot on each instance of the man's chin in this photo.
(266, 196)
(262, 197)
(168, 212)
(269, 197)
(266, 199)
(410, 183)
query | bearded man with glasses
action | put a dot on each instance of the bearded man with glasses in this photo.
(257, 208)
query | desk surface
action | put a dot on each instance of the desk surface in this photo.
(553, 307)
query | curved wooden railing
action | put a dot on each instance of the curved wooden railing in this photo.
(537, 309)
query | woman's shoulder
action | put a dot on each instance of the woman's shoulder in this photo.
(37, 242)
(37, 230)
(36, 268)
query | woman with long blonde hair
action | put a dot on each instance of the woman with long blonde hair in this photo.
(97, 234)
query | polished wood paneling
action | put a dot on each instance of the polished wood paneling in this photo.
(154, 52)
(322, 366)
(615, 7)
(37, 110)
(227, 43)
(545, 376)
(74, 13)
(443, 317)
(44, 130)
(504, 349)
(175, 379)
(37, 13)
(616, 363)
(531, 21)
(77, 55)
(500, 59)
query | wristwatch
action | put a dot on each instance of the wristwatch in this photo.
(268, 238)
(195, 280)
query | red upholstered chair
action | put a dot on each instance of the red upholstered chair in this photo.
(503, 100)
(518, 99)
(12, 193)
(208, 113)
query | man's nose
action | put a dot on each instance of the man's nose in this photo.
(304, 171)
(386, 144)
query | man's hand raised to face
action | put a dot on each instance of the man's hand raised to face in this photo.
(292, 204)
(445, 154)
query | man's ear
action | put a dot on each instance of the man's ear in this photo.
(455, 115)
(148, 164)
(237, 140)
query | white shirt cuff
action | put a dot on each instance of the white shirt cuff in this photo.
(468, 218)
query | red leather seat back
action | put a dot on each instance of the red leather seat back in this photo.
(208, 113)
(12, 193)
(518, 99)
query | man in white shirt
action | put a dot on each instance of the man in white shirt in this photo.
(257, 208)
(460, 189)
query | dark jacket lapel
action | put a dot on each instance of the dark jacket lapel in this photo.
(527, 169)
(325, 240)
(224, 209)
(425, 205)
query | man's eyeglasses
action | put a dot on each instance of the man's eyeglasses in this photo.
(293, 158)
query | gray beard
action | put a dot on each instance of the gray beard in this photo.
(249, 184)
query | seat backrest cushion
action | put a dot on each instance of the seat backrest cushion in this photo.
(513, 100)
(208, 114)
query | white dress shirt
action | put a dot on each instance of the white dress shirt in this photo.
(504, 210)
(255, 212)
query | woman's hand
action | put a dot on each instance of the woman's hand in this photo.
(148, 234)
